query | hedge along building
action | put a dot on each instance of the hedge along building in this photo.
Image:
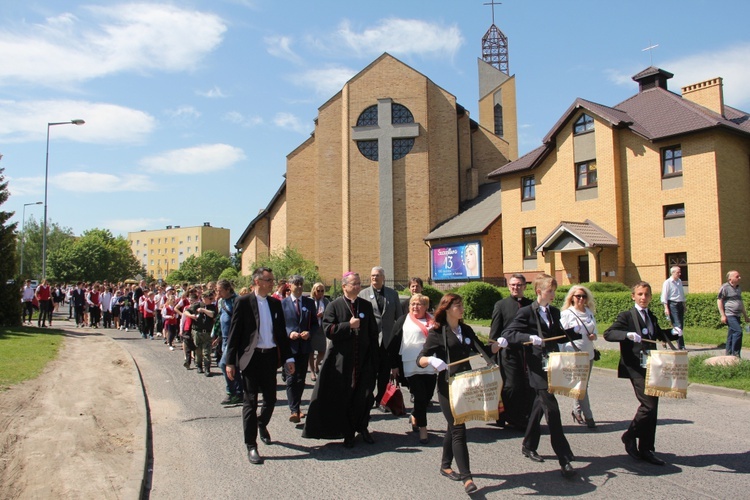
(392, 157)
(623, 193)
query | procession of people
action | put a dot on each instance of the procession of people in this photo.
(367, 341)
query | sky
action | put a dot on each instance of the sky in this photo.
(191, 107)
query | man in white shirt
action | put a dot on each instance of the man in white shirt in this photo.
(673, 298)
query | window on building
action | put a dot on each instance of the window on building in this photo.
(159, 241)
(137, 242)
(159, 251)
(678, 259)
(196, 249)
(152, 241)
(172, 261)
(189, 238)
(671, 161)
(180, 242)
(674, 211)
(196, 238)
(529, 188)
(189, 249)
(529, 242)
(172, 239)
(498, 120)
(152, 262)
(586, 174)
(583, 124)
(173, 250)
(152, 252)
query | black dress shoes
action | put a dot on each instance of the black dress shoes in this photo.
(649, 457)
(264, 435)
(349, 442)
(631, 447)
(367, 437)
(531, 454)
(253, 457)
(567, 470)
(452, 475)
(470, 487)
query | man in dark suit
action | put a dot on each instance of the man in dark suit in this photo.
(517, 396)
(631, 329)
(387, 308)
(257, 342)
(300, 316)
(534, 323)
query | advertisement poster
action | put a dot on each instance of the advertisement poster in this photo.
(458, 261)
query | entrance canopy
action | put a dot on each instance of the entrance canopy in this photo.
(576, 236)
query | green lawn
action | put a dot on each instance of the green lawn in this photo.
(25, 351)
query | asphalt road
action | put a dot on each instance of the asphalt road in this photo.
(198, 450)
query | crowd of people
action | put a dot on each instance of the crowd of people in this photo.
(355, 344)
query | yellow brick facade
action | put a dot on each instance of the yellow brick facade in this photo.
(161, 251)
(630, 206)
(331, 209)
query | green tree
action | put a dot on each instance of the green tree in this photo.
(290, 261)
(96, 255)
(10, 299)
(32, 246)
(201, 269)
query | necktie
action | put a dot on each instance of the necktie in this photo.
(296, 304)
(380, 300)
(644, 314)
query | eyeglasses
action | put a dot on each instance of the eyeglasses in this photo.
(580, 297)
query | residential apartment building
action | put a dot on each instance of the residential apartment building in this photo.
(623, 193)
(161, 251)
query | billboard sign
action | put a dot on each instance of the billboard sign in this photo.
(457, 261)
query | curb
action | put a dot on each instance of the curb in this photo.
(136, 482)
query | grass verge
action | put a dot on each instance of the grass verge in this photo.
(25, 351)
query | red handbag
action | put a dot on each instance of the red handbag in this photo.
(393, 399)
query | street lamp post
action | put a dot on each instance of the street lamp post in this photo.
(23, 232)
(46, 179)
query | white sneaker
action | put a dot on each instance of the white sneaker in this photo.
(126, 329)
(171, 348)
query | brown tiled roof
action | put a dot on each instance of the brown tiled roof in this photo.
(588, 233)
(654, 114)
(475, 218)
(664, 114)
(527, 161)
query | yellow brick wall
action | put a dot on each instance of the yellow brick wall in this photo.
(509, 144)
(630, 206)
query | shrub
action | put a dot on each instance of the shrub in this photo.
(479, 299)
(434, 294)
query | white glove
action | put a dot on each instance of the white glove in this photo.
(536, 339)
(677, 331)
(437, 363)
(634, 337)
(502, 342)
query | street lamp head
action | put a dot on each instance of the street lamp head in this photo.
(77, 122)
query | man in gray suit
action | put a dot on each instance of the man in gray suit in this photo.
(387, 308)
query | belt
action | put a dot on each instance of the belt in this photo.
(264, 351)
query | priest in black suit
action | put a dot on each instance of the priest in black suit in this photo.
(534, 323)
(257, 343)
(341, 401)
(517, 396)
(630, 329)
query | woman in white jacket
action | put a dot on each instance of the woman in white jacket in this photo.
(578, 312)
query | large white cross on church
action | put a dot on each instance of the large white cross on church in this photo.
(384, 132)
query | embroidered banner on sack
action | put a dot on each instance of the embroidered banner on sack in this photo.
(667, 374)
(567, 373)
(475, 394)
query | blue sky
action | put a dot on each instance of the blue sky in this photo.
(191, 107)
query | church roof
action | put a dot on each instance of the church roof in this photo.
(586, 233)
(475, 218)
(261, 214)
(654, 114)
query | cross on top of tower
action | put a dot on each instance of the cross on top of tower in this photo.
(493, 3)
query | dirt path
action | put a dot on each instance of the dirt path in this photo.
(77, 430)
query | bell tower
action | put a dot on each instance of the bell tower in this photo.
(497, 88)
